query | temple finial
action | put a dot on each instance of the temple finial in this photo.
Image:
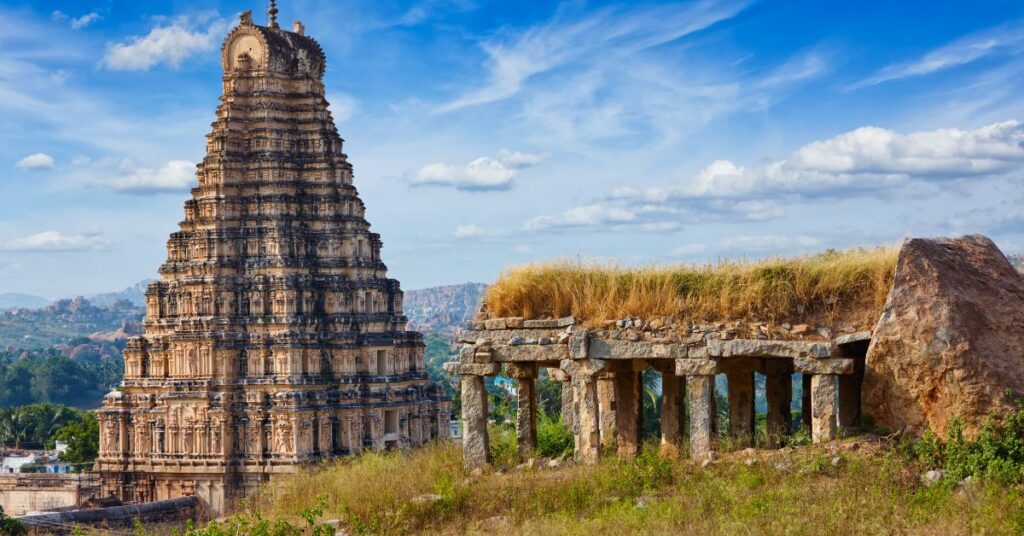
(272, 12)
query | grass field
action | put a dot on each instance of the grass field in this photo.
(851, 284)
(869, 489)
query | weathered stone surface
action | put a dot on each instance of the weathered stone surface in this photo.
(502, 335)
(696, 367)
(741, 407)
(628, 414)
(475, 446)
(613, 349)
(702, 415)
(851, 338)
(526, 417)
(578, 343)
(950, 340)
(606, 409)
(837, 365)
(824, 411)
(474, 369)
(540, 324)
(779, 397)
(535, 352)
(521, 370)
(764, 348)
(673, 414)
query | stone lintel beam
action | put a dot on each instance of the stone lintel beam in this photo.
(502, 336)
(584, 367)
(613, 349)
(530, 352)
(472, 369)
(579, 344)
(558, 375)
(804, 365)
(759, 348)
(852, 338)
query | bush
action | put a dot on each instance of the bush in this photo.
(996, 454)
(11, 527)
(554, 438)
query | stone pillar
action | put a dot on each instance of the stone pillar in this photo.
(702, 415)
(606, 409)
(526, 414)
(673, 395)
(741, 406)
(628, 405)
(824, 411)
(779, 396)
(805, 403)
(568, 405)
(475, 444)
(584, 381)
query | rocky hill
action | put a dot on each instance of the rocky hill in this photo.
(136, 294)
(14, 300)
(442, 310)
(64, 321)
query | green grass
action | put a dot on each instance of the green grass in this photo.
(850, 285)
(873, 491)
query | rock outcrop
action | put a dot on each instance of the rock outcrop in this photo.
(950, 340)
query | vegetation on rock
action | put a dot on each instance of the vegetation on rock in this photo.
(851, 284)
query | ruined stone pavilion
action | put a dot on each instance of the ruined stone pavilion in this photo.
(274, 337)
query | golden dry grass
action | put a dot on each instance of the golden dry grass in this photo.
(873, 491)
(851, 284)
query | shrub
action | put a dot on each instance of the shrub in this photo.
(554, 438)
(996, 454)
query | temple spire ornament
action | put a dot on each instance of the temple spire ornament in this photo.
(272, 15)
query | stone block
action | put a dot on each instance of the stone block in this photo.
(696, 367)
(541, 324)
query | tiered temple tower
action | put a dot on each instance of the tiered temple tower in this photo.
(274, 337)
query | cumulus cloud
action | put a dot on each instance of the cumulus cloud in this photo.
(36, 162)
(342, 106)
(126, 176)
(469, 231)
(1003, 39)
(865, 160)
(170, 44)
(483, 174)
(55, 241)
(602, 217)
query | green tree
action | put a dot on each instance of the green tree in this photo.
(83, 439)
(11, 527)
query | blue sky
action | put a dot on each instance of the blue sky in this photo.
(490, 134)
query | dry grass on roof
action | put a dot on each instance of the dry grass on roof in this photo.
(851, 285)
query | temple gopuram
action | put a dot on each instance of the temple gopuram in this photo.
(274, 337)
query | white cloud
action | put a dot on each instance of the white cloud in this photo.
(512, 61)
(1006, 39)
(483, 174)
(868, 159)
(126, 176)
(36, 161)
(55, 241)
(171, 44)
(585, 216)
(469, 231)
(77, 23)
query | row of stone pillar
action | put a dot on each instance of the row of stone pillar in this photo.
(602, 404)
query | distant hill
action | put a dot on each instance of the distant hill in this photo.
(68, 321)
(441, 310)
(1017, 261)
(135, 294)
(13, 300)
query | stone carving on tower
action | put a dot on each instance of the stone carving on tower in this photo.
(274, 337)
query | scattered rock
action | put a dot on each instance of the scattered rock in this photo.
(801, 329)
(932, 477)
(427, 498)
(750, 462)
(563, 338)
(837, 461)
(704, 464)
(546, 341)
(634, 336)
(554, 463)
(477, 472)
(783, 465)
(515, 341)
(825, 332)
(643, 501)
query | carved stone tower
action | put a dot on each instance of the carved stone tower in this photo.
(274, 337)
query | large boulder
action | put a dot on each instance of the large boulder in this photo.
(950, 341)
